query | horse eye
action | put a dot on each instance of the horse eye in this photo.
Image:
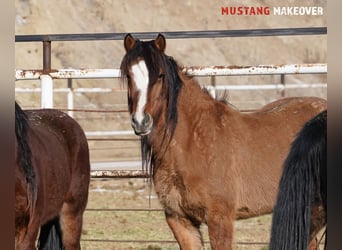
(161, 75)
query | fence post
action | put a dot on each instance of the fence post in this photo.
(282, 81)
(213, 84)
(70, 98)
(46, 99)
(46, 83)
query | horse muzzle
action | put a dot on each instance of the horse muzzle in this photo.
(144, 127)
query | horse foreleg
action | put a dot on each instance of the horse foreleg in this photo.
(186, 233)
(220, 228)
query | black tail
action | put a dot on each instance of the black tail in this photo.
(50, 237)
(303, 184)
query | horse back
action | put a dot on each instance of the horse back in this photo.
(291, 104)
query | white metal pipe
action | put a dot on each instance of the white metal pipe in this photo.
(66, 90)
(267, 86)
(68, 73)
(46, 99)
(70, 102)
(195, 71)
(219, 87)
(109, 133)
(257, 70)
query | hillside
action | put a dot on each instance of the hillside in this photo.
(98, 16)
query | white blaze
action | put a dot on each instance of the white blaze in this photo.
(140, 76)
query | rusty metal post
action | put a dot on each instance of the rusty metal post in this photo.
(46, 57)
(45, 79)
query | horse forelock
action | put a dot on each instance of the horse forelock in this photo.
(142, 51)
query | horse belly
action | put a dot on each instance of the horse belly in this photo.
(257, 183)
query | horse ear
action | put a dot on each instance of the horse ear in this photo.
(160, 42)
(129, 42)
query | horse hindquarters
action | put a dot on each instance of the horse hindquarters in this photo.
(71, 215)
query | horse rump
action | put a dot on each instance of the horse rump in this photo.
(50, 237)
(300, 209)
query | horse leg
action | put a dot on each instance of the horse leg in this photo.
(220, 227)
(27, 240)
(186, 233)
(71, 225)
(318, 220)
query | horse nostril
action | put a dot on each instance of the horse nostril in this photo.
(147, 119)
(144, 126)
(134, 120)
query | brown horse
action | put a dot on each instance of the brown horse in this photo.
(209, 162)
(52, 175)
(300, 211)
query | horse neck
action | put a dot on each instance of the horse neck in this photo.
(193, 105)
(194, 102)
(192, 96)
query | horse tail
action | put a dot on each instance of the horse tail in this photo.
(50, 237)
(302, 185)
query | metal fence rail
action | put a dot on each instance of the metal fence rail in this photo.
(313, 68)
(175, 34)
(47, 89)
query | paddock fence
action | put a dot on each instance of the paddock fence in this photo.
(132, 168)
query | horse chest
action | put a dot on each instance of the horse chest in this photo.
(175, 197)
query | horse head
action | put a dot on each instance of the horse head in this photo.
(153, 84)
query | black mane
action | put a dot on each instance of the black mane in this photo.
(24, 151)
(172, 85)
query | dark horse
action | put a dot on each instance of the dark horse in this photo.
(301, 207)
(209, 162)
(52, 175)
